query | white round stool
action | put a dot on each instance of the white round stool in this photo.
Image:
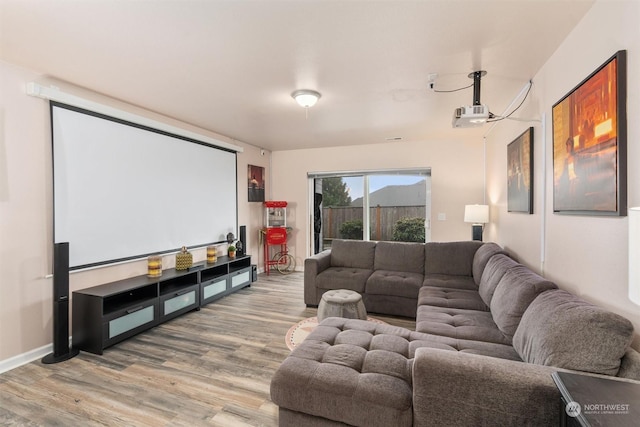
(341, 303)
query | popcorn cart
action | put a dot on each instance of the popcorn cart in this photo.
(274, 237)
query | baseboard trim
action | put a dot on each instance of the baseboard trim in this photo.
(28, 357)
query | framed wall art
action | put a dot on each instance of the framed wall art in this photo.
(520, 173)
(255, 182)
(590, 144)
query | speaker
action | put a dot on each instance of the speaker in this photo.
(61, 350)
(243, 240)
(254, 272)
(61, 271)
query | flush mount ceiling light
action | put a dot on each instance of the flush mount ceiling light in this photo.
(306, 98)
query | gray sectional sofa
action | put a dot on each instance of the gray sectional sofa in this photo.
(489, 333)
(389, 275)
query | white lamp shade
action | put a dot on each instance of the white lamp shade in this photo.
(477, 214)
(634, 255)
(306, 98)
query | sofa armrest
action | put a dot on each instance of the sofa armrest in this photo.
(318, 262)
(313, 266)
(463, 389)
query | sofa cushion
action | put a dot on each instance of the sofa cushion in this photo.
(630, 365)
(343, 278)
(493, 272)
(452, 258)
(501, 351)
(459, 324)
(562, 330)
(397, 283)
(448, 281)
(482, 257)
(518, 287)
(451, 298)
(399, 256)
(393, 305)
(492, 349)
(352, 253)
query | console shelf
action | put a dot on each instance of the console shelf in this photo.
(107, 314)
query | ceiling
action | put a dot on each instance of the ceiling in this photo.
(231, 66)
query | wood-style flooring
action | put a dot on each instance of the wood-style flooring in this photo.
(210, 367)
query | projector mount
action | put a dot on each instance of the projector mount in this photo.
(476, 76)
(472, 115)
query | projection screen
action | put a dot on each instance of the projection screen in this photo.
(124, 191)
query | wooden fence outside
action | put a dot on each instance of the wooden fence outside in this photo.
(382, 219)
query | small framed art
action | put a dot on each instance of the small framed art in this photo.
(255, 181)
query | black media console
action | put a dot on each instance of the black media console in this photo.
(107, 314)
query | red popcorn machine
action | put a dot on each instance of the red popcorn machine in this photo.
(274, 235)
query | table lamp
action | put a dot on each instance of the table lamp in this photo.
(478, 215)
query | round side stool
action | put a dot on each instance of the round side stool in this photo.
(341, 303)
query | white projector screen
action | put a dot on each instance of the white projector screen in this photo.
(124, 191)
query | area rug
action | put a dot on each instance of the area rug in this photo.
(298, 332)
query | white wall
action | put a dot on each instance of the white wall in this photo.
(584, 254)
(26, 213)
(456, 169)
(587, 255)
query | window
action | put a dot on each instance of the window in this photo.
(384, 205)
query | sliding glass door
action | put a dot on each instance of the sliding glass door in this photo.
(373, 205)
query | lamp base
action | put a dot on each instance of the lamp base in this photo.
(476, 232)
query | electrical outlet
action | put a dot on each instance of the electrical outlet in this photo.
(431, 79)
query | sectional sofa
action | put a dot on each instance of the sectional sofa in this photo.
(489, 333)
(389, 275)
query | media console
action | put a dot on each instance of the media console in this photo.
(106, 314)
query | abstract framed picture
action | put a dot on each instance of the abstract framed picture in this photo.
(520, 173)
(255, 183)
(590, 144)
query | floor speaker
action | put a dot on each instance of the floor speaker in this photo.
(61, 350)
(243, 240)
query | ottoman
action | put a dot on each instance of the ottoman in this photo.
(348, 372)
(341, 303)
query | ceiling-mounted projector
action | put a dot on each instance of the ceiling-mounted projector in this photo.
(472, 115)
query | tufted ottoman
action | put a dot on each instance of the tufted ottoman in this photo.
(341, 303)
(348, 372)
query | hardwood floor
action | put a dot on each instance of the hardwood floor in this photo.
(210, 367)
